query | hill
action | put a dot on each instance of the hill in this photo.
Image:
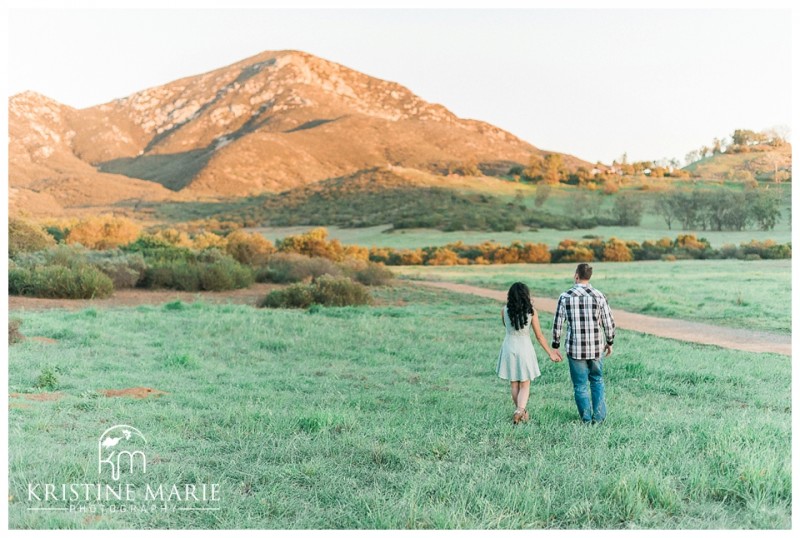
(270, 123)
(761, 162)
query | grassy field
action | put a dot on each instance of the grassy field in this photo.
(334, 419)
(560, 205)
(382, 236)
(725, 292)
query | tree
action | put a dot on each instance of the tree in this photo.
(692, 156)
(745, 137)
(665, 206)
(535, 168)
(628, 210)
(763, 205)
(552, 168)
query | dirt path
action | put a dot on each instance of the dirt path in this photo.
(135, 297)
(687, 331)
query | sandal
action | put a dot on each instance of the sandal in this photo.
(520, 416)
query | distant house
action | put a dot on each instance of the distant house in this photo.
(647, 171)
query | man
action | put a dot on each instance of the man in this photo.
(587, 312)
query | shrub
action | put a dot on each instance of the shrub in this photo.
(206, 240)
(14, 334)
(693, 247)
(157, 248)
(24, 236)
(173, 237)
(326, 290)
(293, 267)
(535, 253)
(216, 272)
(617, 251)
(103, 232)
(124, 269)
(294, 296)
(225, 274)
(176, 274)
(59, 282)
(47, 380)
(337, 291)
(767, 250)
(315, 243)
(442, 256)
(373, 274)
(249, 248)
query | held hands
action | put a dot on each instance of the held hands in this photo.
(608, 350)
(555, 355)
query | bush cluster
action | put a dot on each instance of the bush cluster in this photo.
(326, 290)
(685, 246)
(24, 236)
(63, 272)
(486, 253)
(59, 282)
(288, 267)
(285, 267)
(315, 243)
(209, 270)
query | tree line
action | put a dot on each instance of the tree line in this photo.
(721, 209)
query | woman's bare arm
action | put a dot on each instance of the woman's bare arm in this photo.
(537, 330)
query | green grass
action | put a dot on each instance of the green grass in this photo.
(359, 218)
(381, 236)
(560, 202)
(747, 294)
(392, 417)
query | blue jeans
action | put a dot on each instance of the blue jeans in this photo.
(585, 374)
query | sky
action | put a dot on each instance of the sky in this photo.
(593, 83)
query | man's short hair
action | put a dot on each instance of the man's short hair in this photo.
(584, 271)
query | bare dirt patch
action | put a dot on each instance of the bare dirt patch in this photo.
(43, 339)
(134, 392)
(38, 396)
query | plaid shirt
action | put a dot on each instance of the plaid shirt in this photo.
(587, 310)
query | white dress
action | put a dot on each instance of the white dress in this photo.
(517, 359)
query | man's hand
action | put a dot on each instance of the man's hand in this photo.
(555, 356)
(608, 350)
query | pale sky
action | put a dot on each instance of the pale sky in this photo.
(593, 83)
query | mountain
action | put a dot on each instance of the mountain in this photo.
(270, 123)
(45, 174)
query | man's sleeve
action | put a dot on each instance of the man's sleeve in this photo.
(558, 322)
(607, 321)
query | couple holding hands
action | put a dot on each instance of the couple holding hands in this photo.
(588, 317)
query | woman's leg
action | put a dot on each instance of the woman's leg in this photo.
(514, 391)
(524, 392)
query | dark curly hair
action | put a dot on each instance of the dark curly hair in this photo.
(519, 304)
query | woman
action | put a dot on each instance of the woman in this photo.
(517, 361)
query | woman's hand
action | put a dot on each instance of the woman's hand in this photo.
(555, 356)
